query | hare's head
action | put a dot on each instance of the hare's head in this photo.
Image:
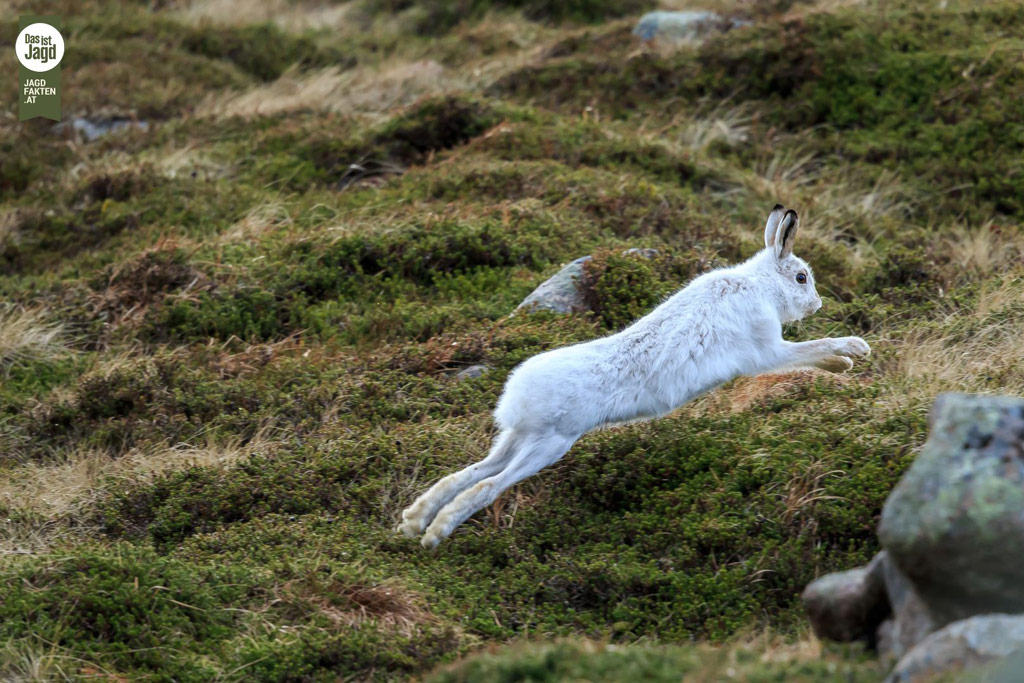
(794, 277)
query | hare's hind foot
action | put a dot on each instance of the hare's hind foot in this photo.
(413, 520)
(430, 540)
(409, 529)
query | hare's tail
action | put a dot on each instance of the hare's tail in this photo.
(417, 516)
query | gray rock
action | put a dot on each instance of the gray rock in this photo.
(559, 293)
(850, 605)
(677, 26)
(90, 130)
(911, 619)
(963, 645)
(954, 524)
(682, 27)
(471, 372)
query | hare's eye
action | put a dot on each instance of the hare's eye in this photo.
(801, 278)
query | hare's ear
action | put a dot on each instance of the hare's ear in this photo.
(772, 226)
(786, 233)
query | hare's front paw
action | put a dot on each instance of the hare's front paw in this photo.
(851, 346)
(835, 364)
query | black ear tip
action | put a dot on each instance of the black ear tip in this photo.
(789, 213)
(778, 207)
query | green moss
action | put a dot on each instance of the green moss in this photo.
(42, 240)
(573, 660)
(25, 156)
(158, 82)
(126, 607)
(889, 90)
(434, 17)
(244, 313)
(620, 287)
(263, 50)
(260, 50)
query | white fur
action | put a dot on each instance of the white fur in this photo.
(723, 324)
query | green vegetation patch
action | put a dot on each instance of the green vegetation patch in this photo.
(921, 91)
(433, 17)
(575, 660)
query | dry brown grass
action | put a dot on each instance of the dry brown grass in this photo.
(134, 285)
(836, 205)
(728, 125)
(803, 491)
(288, 14)
(47, 501)
(363, 90)
(750, 392)
(403, 76)
(260, 220)
(835, 201)
(983, 250)
(352, 604)
(976, 351)
(28, 334)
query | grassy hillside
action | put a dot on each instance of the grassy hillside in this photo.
(228, 342)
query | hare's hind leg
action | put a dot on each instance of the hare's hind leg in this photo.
(535, 453)
(417, 516)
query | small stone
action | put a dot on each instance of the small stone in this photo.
(471, 372)
(89, 130)
(965, 644)
(850, 605)
(683, 26)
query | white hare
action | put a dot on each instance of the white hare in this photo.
(723, 324)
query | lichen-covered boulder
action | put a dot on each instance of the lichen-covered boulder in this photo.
(849, 605)
(954, 524)
(964, 645)
(911, 620)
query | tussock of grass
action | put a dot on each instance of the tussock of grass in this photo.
(342, 91)
(30, 335)
(34, 662)
(974, 350)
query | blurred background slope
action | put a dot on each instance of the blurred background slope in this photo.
(240, 279)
